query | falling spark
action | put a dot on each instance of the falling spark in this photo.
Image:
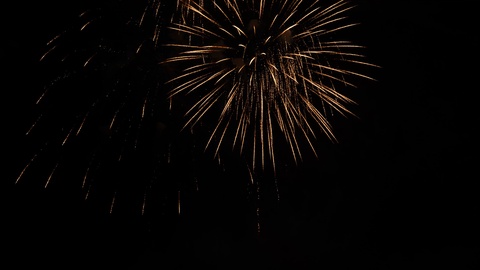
(144, 202)
(178, 203)
(51, 175)
(113, 202)
(25, 168)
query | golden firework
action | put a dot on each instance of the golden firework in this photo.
(265, 70)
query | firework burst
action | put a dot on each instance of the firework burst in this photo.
(255, 75)
(268, 72)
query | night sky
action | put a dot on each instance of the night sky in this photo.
(398, 191)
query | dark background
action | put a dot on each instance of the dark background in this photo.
(398, 191)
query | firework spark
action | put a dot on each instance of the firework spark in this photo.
(266, 70)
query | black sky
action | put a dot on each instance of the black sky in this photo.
(399, 190)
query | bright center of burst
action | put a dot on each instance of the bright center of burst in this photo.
(259, 43)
